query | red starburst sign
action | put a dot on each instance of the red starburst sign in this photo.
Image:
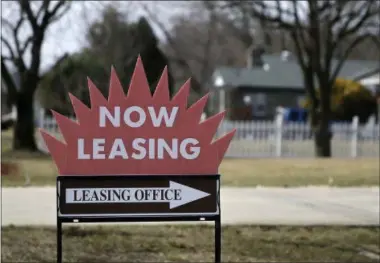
(138, 133)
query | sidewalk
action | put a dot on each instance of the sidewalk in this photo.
(271, 206)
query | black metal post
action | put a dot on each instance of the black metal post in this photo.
(218, 229)
(88, 219)
(59, 224)
(59, 241)
(218, 240)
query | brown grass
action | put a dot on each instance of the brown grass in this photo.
(40, 170)
(340, 148)
(300, 172)
(192, 244)
(241, 172)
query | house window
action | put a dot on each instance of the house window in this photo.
(259, 104)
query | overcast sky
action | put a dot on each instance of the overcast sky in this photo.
(67, 34)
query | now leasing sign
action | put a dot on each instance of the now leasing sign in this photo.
(138, 157)
(139, 154)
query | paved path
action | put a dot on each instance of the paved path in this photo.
(287, 206)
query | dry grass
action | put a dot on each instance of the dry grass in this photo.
(291, 148)
(191, 244)
(238, 172)
(6, 140)
(300, 172)
(40, 170)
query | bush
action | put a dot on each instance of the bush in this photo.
(349, 99)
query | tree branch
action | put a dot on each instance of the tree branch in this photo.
(43, 7)
(58, 16)
(11, 86)
(56, 64)
(345, 55)
(20, 51)
(49, 15)
(207, 50)
(299, 40)
(27, 42)
(315, 38)
(25, 7)
(9, 47)
(169, 39)
(350, 28)
(330, 45)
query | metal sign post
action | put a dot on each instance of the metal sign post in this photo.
(110, 198)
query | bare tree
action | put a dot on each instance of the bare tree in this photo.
(197, 42)
(37, 17)
(324, 33)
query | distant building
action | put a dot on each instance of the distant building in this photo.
(8, 111)
(268, 81)
(5, 105)
(370, 78)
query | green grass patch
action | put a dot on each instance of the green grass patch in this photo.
(183, 243)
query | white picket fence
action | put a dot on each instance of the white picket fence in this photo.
(260, 139)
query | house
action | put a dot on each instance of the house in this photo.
(8, 113)
(267, 82)
(5, 106)
(370, 78)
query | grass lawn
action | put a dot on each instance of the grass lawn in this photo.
(235, 172)
(40, 170)
(6, 140)
(340, 148)
(178, 243)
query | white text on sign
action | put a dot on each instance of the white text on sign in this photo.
(138, 148)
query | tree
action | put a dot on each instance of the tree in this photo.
(70, 77)
(324, 33)
(117, 41)
(110, 41)
(111, 38)
(196, 42)
(38, 18)
(146, 44)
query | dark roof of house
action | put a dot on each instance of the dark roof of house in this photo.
(282, 74)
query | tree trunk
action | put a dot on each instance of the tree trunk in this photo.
(24, 128)
(322, 130)
(322, 138)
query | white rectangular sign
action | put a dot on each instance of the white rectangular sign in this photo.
(176, 195)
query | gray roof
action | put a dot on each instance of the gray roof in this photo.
(282, 74)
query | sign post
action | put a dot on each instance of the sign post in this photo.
(138, 158)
